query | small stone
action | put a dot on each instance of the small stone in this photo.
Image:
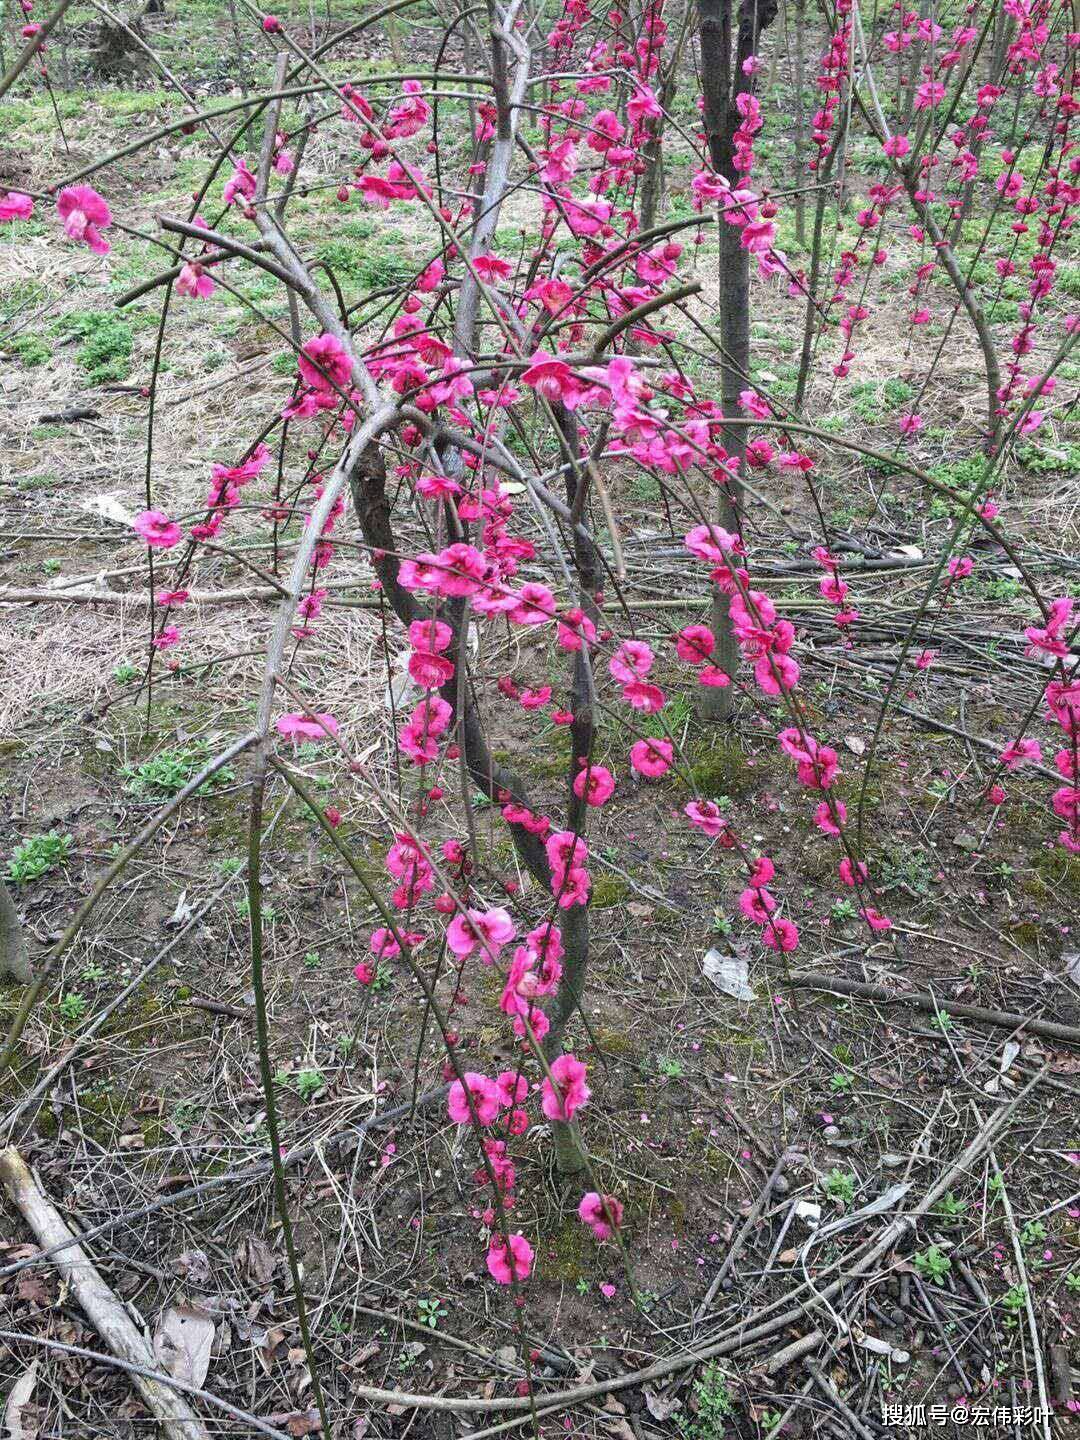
(893, 1162)
(831, 1132)
(966, 840)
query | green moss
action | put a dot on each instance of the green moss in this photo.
(1058, 869)
(47, 1125)
(567, 1258)
(608, 890)
(615, 1042)
(489, 982)
(720, 767)
(153, 1133)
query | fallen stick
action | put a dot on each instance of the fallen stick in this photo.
(93, 1026)
(218, 1007)
(741, 1238)
(740, 1338)
(15, 1337)
(1003, 1019)
(246, 1175)
(104, 1311)
(829, 1390)
(1025, 1285)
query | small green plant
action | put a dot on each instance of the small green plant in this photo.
(841, 1082)
(51, 567)
(713, 1403)
(93, 973)
(911, 869)
(167, 772)
(672, 1069)
(384, 977)
(312, 960)
(37, 856)
(1014, 1301)
(1033, 1233)
(187, 1113)
(309, 1083)
(431, 1312)
(932, 1264)
(840, 1186)
(231, 865)
(1072, 1282)
(30, 350)
(583, 1286)
(73, 1007)
(843, 910)
(942, 1022)
(949, 1206)
(124, 672)
(107, 341)
(267, 912)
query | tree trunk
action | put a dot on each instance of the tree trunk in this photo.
(14, 957)
(800, 119)
(723, 51)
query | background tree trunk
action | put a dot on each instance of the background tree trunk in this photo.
(723, 51)
(14, 956)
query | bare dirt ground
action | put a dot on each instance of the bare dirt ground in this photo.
(154, 1135)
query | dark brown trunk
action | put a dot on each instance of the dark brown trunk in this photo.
(723, 51)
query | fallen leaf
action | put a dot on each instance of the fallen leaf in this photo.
(182, 914)
(661, 1407)
(32, 1287)
(856, 745)
(361, 1358)
(299, 1422)
(193, 1265)
(274, 1347)
(16, 1423)
(1072, 966)
(728, 973)
(182, 1343)
(109, 508)
(257, 1260)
